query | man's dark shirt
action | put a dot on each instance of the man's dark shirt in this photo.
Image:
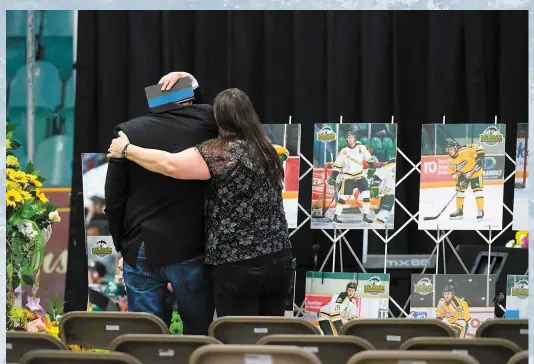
(165, 213)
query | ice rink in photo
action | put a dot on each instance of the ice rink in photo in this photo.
(432, 201)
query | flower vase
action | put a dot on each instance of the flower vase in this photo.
(47, 233)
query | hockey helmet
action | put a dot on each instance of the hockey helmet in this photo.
(352, 285)
(453, 143)
(352, 132)
(449, 288)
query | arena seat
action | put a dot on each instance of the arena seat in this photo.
(164, 349)
(69, 103)
(249, 329)
(365, 141)
(15, 55)
(16, 23)
(59, 51)
(515, 330)
(495, 351)
(19, 343)
(68, 357)
(54, 158)
(389, 334)
(98, 329)
(519, 358)
(47, 95)
(58, 23)
(329, 349)
(239, 354)
(396, 357)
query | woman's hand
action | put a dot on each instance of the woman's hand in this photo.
(170, 79)
(117, 146)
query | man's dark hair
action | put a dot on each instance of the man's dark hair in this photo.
(98, 267)
(236, 118)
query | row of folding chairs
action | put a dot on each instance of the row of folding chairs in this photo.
(328, 349)
(262, 354)
(101, 330)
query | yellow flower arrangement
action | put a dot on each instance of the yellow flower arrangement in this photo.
(12, 161)
(28, 213)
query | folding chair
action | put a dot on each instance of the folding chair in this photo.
(495, 351)
(19, 343)
(412, 357)
(239, 354)
(161, 349)
(98, 329)
(249, 329)
(519, 358)
(389, 334)
(511, 329)
(329, 349)
(68, 357)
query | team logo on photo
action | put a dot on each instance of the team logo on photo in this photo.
(520, 289)
(424, 287)
(491, 136)
(101, 249)
(326, 134)
(374, 286)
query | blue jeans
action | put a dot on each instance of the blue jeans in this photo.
(191, 287)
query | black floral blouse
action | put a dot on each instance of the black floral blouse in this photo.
(245, 216)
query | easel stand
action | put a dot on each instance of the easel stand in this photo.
(439, 239)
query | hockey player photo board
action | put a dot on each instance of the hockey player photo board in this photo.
(516, 297)
(522, 190)
(106, 292)
(354, 176)
(462, 177)
(285, 139)
(463, 301)
(333, 299)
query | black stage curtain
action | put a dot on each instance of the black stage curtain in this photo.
(314, 66)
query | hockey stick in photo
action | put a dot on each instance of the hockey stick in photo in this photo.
(429, 218)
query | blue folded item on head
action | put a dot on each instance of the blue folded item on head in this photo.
(182, 91)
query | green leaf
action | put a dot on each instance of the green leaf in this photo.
(10, 127)
(41, 179)
(28, 280)
(36, 173)
(30, 168)
(9, 135)
(16, 282)
(9, 271)
(30, 209)
(15, 145)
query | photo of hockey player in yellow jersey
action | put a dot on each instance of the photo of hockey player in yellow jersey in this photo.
(466, 166)
(455, 311)
(462, 175)
(342, 308)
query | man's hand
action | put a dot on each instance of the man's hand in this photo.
(170, 79)
(117, 145)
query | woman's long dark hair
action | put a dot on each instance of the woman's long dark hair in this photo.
(236, 116)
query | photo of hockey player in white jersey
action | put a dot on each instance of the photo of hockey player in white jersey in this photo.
(333, 299)
(345, 193)
(383, 190)
(342, 308)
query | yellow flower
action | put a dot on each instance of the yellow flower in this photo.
(19, 176)
(11, 185)
(12, 197)
(12, 161)
(75, 348)
(41, 196)
(53, 330)
(8, 144)
(33, 180)
(25, 195)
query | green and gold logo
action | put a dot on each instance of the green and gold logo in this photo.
(424, 287)
(374, 287)
(491, 136)
(326, 135)
(520, 289)
(101, 249)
